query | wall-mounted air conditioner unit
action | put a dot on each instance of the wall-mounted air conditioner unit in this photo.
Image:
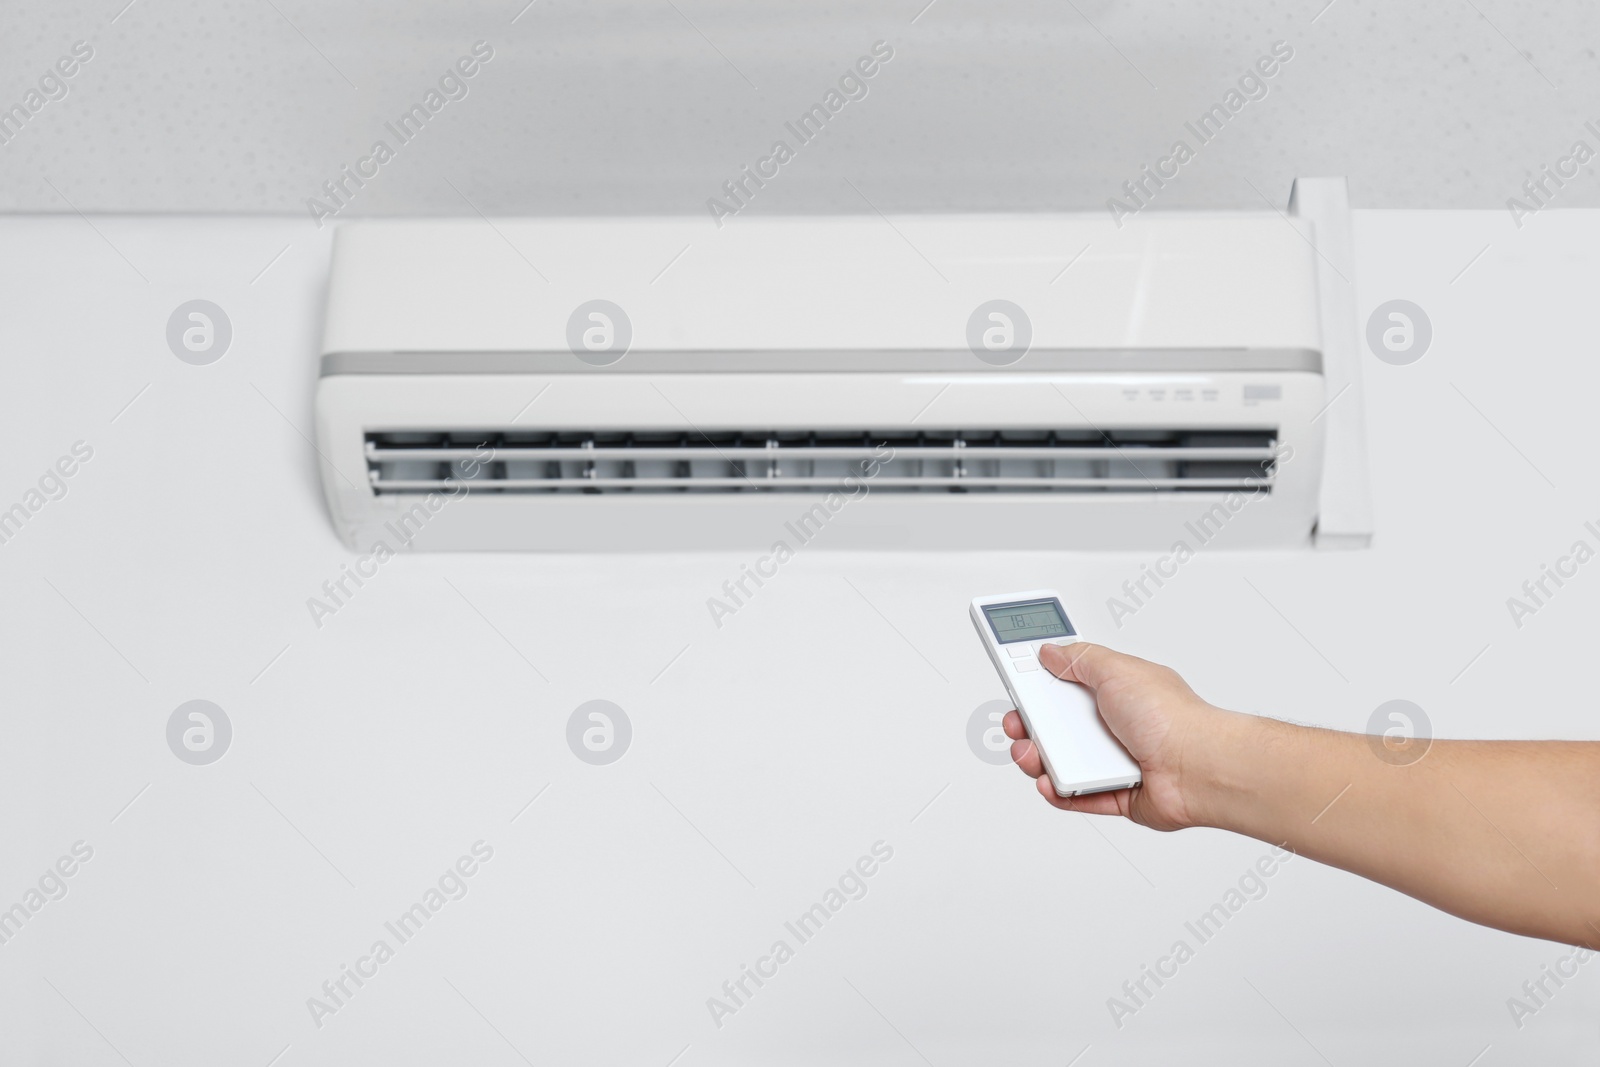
(1047, 381)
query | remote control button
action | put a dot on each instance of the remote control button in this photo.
(1026, 664)
(1018, 651)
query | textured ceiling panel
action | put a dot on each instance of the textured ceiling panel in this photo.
(630, 106)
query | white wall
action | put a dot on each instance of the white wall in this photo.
(645, 106)
(768, 755)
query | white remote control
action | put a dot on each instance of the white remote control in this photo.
(1079, 753)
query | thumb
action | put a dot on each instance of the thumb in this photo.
(1082, 662)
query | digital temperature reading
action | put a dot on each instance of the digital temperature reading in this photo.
(1028, 620)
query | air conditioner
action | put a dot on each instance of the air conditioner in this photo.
(1050, 381)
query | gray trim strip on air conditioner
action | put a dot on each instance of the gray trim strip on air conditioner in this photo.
(1198, 360)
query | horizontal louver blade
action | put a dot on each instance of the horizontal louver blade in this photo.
(733, 461)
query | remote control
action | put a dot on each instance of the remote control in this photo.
(1079, 752)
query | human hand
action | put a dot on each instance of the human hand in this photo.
(1463, 806)
(1150, 709)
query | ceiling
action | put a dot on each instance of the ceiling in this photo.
(649, 106)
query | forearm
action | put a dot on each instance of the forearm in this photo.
(1502, 833)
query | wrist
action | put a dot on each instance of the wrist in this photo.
(1217, 748)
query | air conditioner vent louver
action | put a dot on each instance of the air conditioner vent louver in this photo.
(767, 461)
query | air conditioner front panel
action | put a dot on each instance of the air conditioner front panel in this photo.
(1167, 281)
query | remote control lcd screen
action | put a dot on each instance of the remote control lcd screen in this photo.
(1028, 620)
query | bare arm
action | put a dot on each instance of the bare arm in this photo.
(1503, 833)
